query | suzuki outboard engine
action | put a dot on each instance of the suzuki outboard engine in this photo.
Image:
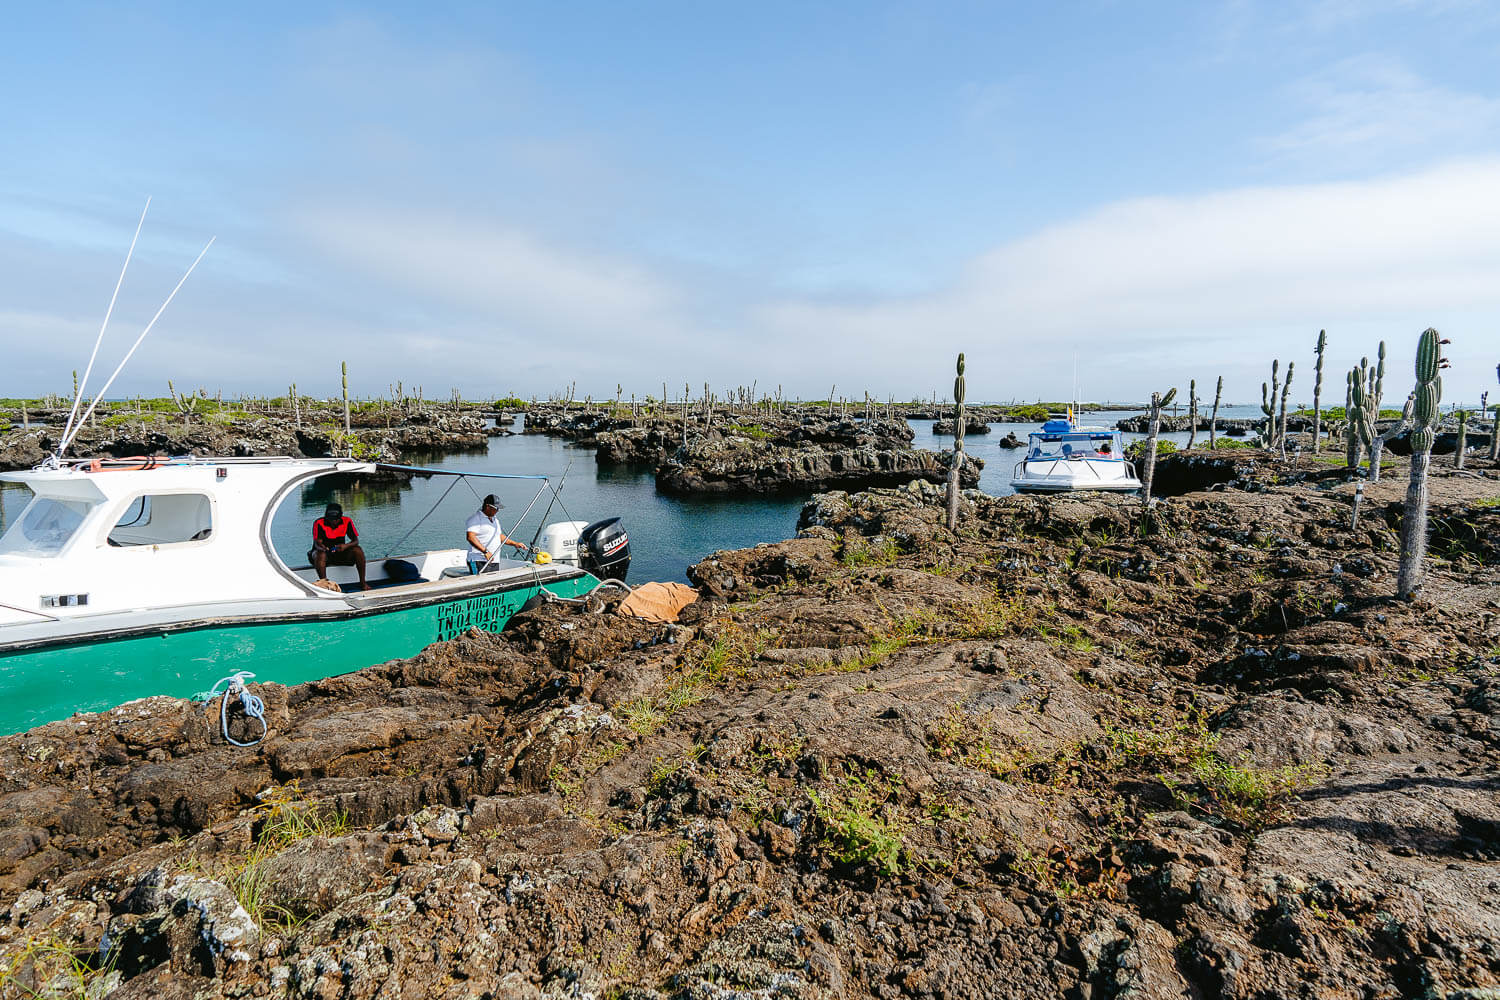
(560, 541)
(604, 549)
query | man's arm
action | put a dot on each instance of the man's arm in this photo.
(476, 543)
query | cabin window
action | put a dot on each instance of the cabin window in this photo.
(44, 527)
(164, 519)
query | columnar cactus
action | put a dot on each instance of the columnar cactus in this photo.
(1495, 431)
(1268, 406)
(348, 432)
(1318, 392)
(958, 444)
(1361, 414)
(1427, 397)
(1463, 438)
(296, 406)
(1213, 421)
(1363, 410)
(187, 403)
(1148, 460)
(1192, 412)
(1286, 389)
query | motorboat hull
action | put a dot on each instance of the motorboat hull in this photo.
(122, 658)
(1038, 486)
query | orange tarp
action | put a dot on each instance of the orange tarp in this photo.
(658, 602)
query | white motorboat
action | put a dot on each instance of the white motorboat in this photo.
(127, 578)
(1062, 458)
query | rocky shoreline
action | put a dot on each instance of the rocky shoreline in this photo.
(383, 437)
(1065, 751)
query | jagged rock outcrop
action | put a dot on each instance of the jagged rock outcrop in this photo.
(740, 467)
(972, 425)
(124, 437)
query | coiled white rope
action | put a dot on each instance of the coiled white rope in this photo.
(253, 706)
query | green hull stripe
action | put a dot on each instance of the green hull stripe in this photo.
(50, 684)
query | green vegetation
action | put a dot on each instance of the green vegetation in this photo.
(858, 825)
(47, 967)
(753, 431)
(1035, 413)
(1137, 450)
(860, 555)
(1332, 413)
(285, 817)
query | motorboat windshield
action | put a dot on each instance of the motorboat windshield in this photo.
(46, 525)
(1066, 442)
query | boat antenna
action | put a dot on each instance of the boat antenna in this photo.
(120, 367)
(556, 495)
(78, 393)
(1075, 385)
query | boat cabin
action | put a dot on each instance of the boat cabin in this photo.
(106, 536)
(1059, 440)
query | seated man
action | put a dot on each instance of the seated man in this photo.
(485, 537)
(336, 543)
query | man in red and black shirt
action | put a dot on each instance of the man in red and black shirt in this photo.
(336, 543)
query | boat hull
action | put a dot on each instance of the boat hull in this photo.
(1037, 486)
(93, 673)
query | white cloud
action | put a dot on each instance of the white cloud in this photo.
(1169, 285)
(500, 270)
(1373, 109)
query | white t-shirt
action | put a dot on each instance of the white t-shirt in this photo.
(487, 530)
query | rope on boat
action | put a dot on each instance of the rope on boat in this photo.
(583, 599)
(252, 705)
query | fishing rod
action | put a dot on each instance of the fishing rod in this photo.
(547, 513)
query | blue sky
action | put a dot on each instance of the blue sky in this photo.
(509, 198)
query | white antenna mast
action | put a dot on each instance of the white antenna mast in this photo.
(69, 440)
(78, 393)
(1075, 383)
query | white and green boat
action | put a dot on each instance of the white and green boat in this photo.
(123, 579)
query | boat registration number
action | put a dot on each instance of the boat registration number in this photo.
(490, 613)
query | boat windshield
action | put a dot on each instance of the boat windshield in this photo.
(44, 527)
(1059, 447)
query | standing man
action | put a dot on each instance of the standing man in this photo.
(485, 536)
(336, 543)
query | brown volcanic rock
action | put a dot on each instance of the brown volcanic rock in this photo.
(1021, 759)
(741, 466)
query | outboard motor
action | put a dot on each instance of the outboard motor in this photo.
(560, 541)
(604, 549)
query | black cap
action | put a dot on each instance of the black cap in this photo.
(333, 510)
(492, 501)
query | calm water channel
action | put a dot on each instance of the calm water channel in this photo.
(666, 533)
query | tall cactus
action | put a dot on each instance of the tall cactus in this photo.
(1192, 412)
(344, 372)
(1428, 395)
(1495, 428)
(1318, 392)
(1360, 415)
(1148, 460)
(1463, 438)
(187, 403)
(958, 444)
(1286, 390)
(1363, 410)
(1213, 421)
(1268, 406)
